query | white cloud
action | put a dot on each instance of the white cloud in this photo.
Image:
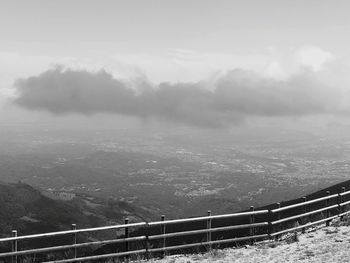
(285, 63)
(313, 57)
(170, 65)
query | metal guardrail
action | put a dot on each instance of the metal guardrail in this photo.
(186, 220)
(303, 203)
(303, 226)
(146, 250)
(75, 231)
(303, 215)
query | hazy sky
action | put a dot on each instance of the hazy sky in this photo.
(234, 59)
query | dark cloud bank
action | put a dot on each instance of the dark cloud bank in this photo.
(230, 99)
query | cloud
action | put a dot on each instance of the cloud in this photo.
(313, 57)
(294, 60)
(225, 101)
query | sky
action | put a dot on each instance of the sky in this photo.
(209, 64)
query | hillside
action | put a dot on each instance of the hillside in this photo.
(222, 222)
(28, 211)
(337, 188)
(328, 244)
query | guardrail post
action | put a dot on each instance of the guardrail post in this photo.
(209, 228)
(304, 211)
(126, 235)
(147, 241)
(74, 227)
(269, 227)
(278, 218)
(341, 200)
(327, 211)
(251, 221)
(14, 246)
(162, 230)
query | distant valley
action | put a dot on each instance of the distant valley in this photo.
(178, 173)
